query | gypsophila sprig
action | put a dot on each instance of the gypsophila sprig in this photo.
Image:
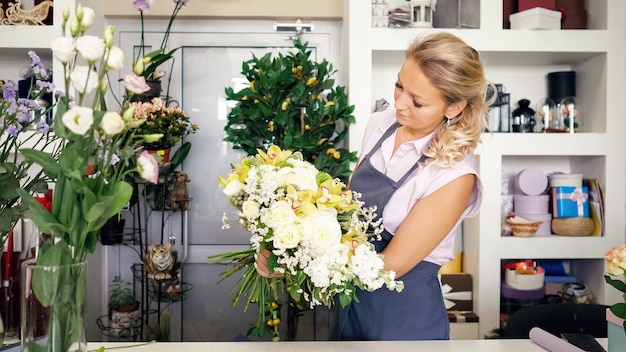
(317, 231)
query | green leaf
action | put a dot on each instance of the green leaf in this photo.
(46, 282)
(45, 221)
(43, 159)
(108, 205)
(618, 284)
(619, 309)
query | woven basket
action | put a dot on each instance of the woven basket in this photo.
(524, 229)
(573, 226)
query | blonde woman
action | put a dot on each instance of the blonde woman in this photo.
(417, 166)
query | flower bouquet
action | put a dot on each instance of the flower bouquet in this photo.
(99, 148)
(615, 259)
(317, 231)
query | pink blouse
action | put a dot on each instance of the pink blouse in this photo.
(424, 181)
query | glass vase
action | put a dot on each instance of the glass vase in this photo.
(53, 307)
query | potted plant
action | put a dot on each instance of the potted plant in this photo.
(293, 102)
(123, 308)
(156, 118)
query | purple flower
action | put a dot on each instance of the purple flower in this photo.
(37, 66)
(45, 86)
(59, 94)
(9, 92)
(13, 130)
(23, 117)
(143, 5)
(42, 127)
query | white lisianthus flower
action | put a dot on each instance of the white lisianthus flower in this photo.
(78, 119)
(302, 175)
(148, 167)
(233, 187)
(115, 60)
(88, 16)
(286, 237)
(112, 123)
(83, 79)
(250, 209)
(63, 49)
(90, 47)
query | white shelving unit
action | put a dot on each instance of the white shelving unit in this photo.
(520, 60)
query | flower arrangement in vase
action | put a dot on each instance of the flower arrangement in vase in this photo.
(99, 148)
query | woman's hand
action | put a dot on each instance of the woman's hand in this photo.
(261, 265)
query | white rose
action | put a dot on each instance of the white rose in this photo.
(280, 214)
(78, 119)
(112, 123)
(88, 17)
(303, 175)
(233, 187)
(286, 237)
(83, 79)
(250, 209)
(63, 49)
(90, 47)
(115, 60)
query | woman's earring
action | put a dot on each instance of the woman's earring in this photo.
(448, 125)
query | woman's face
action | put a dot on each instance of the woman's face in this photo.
(420, 107)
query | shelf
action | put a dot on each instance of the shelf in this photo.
(551, 144)
(551, 247)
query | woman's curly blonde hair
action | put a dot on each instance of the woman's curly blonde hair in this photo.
(456, 70)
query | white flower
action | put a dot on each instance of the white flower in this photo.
(88, 17)
(326, 229)
(286, 237)
(78, 119)
(302, 175)
(279, 214)
(148, 167)
(115, 60)
(83, 79)
(112, 123)
(233, 187)
(250, 209)
(90, 47)
(63, 49)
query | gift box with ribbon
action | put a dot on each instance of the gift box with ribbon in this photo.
(457, 292)
(570, 202)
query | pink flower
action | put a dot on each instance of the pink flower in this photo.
(135, 84)
(143, 5)
(148, 167)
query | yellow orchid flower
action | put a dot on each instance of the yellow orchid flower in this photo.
(301, 202)
(329, 103)
(252, 86)
(274, 156)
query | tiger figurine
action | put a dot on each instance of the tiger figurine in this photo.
(159, 261)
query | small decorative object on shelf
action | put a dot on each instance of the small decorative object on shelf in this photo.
(421, 12)
(523, 118)
(500, 111)
(124, 313)
(15, 15)
(178, 195)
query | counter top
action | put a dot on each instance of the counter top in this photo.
(507, 345)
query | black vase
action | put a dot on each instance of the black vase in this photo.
(153, 92)
(112, 232)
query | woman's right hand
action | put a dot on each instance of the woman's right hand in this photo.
(261, 265)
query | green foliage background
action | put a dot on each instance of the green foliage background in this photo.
(269, 111)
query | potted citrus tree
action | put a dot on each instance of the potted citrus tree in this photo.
(293, 102)
(124, 311)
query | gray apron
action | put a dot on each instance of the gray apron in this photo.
(416, 313)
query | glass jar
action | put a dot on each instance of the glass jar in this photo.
(545, 112)
(570, 113)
